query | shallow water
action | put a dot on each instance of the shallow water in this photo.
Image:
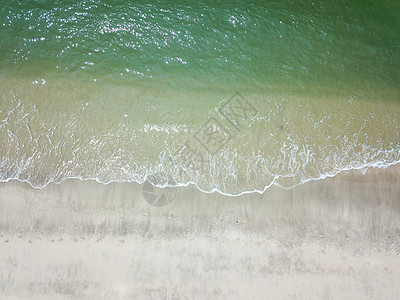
(120, 91)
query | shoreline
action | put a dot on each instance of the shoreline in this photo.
(344, 172)
(331, 238)
(62, 133)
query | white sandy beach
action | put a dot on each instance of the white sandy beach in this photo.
(337, 238)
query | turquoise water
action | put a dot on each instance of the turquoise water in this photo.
(337, 45)
(113, 90)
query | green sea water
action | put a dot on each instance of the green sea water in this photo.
(122, 90)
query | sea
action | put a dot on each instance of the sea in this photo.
(231, 96)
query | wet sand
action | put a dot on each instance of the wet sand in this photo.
(337, 238)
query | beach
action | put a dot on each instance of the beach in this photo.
(331, 238)
(199, 150)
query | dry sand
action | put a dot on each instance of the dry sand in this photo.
(337, 238)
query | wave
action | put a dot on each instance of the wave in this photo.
(380, 165)
(285, 139)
